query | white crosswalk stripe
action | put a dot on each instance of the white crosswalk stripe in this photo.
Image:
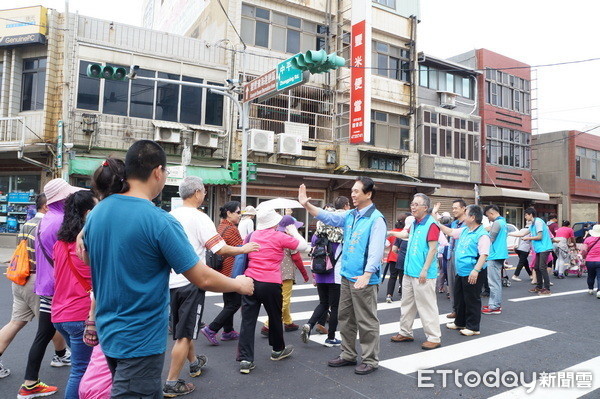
(296, 287)
(473, 347)
(553, 295)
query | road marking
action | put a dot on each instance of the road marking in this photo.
(295, 287)
(532, 297)
(553, 391)
(294, 299)
(384, 329)
(472, 347)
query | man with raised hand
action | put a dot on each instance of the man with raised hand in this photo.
(364, 240)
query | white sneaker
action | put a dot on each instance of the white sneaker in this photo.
(452, 326)
(468, 333)
(388, 299)
(551, 283)
(515, 278)
(591, 292)
(598, 295)
(4, 372)
(61, 361)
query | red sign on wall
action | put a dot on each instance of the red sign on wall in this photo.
(357, 83)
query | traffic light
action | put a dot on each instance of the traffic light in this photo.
(236, 171)
(317, 61)
(106, 72)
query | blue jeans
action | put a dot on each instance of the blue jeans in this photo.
(494, 274)
(72, 331)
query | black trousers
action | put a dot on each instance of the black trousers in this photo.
(269, 295)
(523, 263)
(541, 270)
(232, 302)
(395, 274)
(43, 336)
(467, 298)
(329, 298)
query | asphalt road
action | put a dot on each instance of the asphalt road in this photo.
(549, 334)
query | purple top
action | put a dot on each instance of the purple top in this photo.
(48, 235)
(326, 278)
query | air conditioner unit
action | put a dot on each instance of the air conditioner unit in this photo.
(206, 139)
(166, 135)
(262, 141)
(289, 144)
(447, 100)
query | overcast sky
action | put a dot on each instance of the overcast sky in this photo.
(536, 32)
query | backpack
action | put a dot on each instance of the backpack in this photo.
(18, 269)
(321, 255)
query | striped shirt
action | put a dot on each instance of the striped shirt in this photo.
(232, 237)
(29, 232)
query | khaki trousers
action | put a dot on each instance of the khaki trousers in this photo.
(421, 298)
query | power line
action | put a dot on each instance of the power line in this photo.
(232, 25)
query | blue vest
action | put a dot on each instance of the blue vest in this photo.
(456, 224)
(466, 252)
(499, 249)
(417, 250)
(356, 244)
(545, 244)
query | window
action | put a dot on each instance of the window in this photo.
(435, 79)
(34, 83)
(1, 74)
(391, 61)
(451, 137)
(88, 90)
(507, 147)
(151, 100)
(390, 130)
(279, 32)
(586, 163)
(507, 91)
(387, 3)
(388, 163)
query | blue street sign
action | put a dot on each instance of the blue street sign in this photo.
(287, 75)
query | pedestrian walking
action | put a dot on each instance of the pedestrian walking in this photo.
(498, 232)
(364, 240)
(420, 274)
(523, 248)
(564, 239)
(131, 246)
(246, 225)
(264, 267)
(392, 260)
(591, 247)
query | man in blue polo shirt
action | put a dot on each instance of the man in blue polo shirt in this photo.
(495, 261)
(132, 246)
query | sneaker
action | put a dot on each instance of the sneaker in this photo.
(230, 336)
(321, 329)
(196, 370)
(492, 310)
(452, 326)
(210, 335)
(246, 366)
(180, 388)
(61, 361)
(515, 278)
(305, 333)
(264, 331)
(282, 354)
(333, 342)
(544, 291)
(551, 283)
(468, 333)
(591, 292)
(4, 372)
(291, 327)
(388, 299)
(535, 290)
(38, 390)
(598, 295)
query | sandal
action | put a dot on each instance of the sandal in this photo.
(90, 335)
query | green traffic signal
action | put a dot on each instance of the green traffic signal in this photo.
(236, 171)
(106, 72)
(317, 61)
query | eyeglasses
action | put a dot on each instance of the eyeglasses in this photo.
(416, 204)
(165, 170)
(238, 212)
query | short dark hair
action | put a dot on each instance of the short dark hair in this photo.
(109, 178)
(491, 207)
(368, 185)
(552, 216)
(230, 206)
(566, 223)
(40, 202)
(401, 222)
(531, 211)
(142, 158)
(462, 202)
(341, 202)
(475, 211)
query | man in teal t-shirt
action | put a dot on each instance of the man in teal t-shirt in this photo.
(495, 261)
(131, 246)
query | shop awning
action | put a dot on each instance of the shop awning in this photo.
(211, 175)
(486, 191)
(84, 165)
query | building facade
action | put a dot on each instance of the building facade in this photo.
(566, 165)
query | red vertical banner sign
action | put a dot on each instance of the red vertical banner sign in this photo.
(360, 73)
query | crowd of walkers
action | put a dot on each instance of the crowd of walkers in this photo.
(110, 274)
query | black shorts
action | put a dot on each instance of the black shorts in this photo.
(187, 303)
(137, 378)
